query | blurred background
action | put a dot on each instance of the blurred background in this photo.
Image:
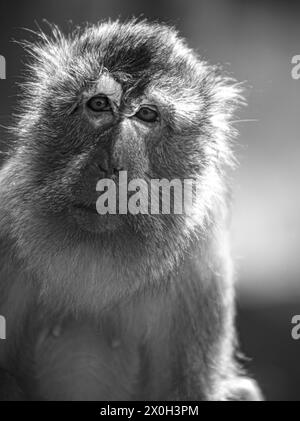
(255, 41)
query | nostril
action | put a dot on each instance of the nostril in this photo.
(103, 162)
(116, 170)
(102, 168)
(117, 164)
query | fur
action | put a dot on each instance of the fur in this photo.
(162, 285)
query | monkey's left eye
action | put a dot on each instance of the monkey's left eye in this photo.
(147, 114)
(99, 103)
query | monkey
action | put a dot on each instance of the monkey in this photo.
(118, 307)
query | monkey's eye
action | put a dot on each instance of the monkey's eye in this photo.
(147, 114)
(98, 103)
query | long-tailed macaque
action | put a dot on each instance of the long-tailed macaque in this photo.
(123, 306)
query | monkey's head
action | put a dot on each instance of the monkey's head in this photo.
(120, 97)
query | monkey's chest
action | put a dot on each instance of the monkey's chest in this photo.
(77, 362)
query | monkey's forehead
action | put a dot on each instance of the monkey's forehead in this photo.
(141, 60)
(137, 54)
(134, 47)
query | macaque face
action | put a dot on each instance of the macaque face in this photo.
(117, 98)
(112, 98)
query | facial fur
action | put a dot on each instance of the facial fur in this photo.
(61, 147)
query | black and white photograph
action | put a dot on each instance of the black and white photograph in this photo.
(149, 203)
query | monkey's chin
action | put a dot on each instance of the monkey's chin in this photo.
(95, 223)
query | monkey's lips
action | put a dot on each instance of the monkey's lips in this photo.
(89, 208)
(89, 219)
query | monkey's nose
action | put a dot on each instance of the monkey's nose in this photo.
(107, 165)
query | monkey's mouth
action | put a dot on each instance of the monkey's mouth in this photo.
(89, 208)
(87, 217)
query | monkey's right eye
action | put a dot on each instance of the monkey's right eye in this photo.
(99, 103)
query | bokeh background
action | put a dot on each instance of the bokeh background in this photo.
(255, 41)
